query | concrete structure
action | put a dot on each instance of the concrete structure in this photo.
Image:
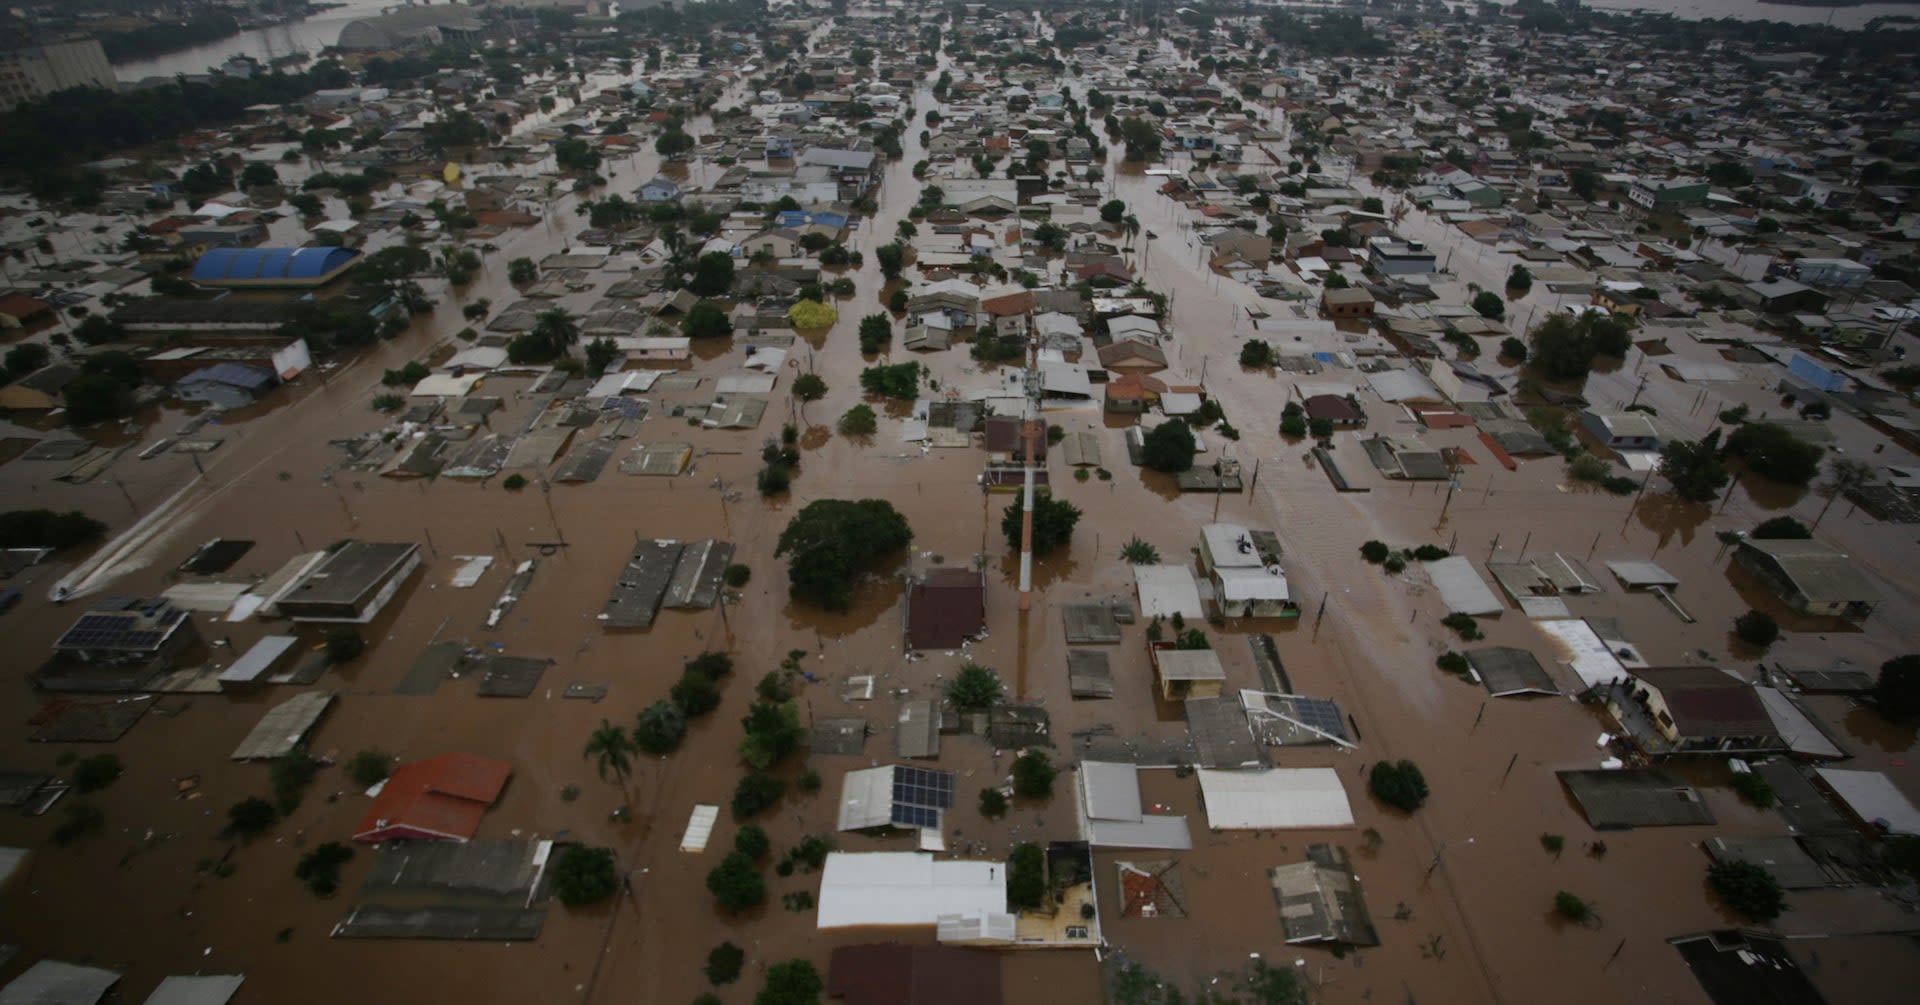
(34, 67)
(1812, 577)
(1667, 194)
(1392, 258)
(1245, 568)
(1624, 430)
(1351, 302)
(1320, 899)
(350, 585)
(1187, 673)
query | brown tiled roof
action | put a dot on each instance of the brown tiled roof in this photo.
(1707, 702)
(893, 974)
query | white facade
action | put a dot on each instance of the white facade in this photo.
(36, 69)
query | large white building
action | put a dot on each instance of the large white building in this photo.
(33, 67)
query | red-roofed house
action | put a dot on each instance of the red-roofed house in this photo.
(18, 310)
(945, 608)
(438, 799)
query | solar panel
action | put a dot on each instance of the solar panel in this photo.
(919, 794)
(1320, 714)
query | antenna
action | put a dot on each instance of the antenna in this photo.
(1031, 433)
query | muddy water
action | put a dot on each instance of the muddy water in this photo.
(1473, 928)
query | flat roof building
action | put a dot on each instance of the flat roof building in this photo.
(351, 584)
(946, 607)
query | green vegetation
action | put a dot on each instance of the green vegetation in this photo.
(1772, 452)
(320, 868)
(1138, 552)
(755, 792)
(1572, 908)
(724, 963)
(831, 541)
(1747, 889)
(369, 767)
(876, 330)
(584, 875)
(1693, 468)
(974, 687)
(1756, 628)
(1488, 304)
(737, 575)
(601, 353)
(1452, 662)
(1400, 785)
(736, 883)
(290, 774)
(706, 320)
(1553, 843)
(521, 271)
(1464, 624)
(552, 335)
(91, 774)
(44, 528)
(1169, 447)
(773, 732)
(611, 750)
(1033, 775)
(712, 275)
(1256, 354)
(412, 373)
(1026, 877)
(1564, 347)
(751, 840)
(660, 728)
(1782, 528)
(1053, 523)
(1513, 350)
(809, 387)
(1375, 551)
(892, 258)
(859, 420)
(249, 818)
(514, 482)
(993, 803)
(1896, 692)
(794, 982)
(1753, 789)
(901, 381)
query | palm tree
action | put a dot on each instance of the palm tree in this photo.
(612, 748)
(1130, 224)
(1843, 476)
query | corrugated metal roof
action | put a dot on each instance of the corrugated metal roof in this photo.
(217, 990)
(699, 828)
(1277, 798)
(906, 888)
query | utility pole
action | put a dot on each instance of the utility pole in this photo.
(1030, 436)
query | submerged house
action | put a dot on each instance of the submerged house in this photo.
(1812, 577)
(1694, 710)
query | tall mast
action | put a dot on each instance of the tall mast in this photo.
(1031, 433)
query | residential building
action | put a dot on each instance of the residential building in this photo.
(945, 608)
(1395, 258)
(350, 584)
(1812, 577)
(438, 799)
(1693, 710)
(120, 644)
(1351, 302)
(35, 66)
(1624, 430)
(1664, 195)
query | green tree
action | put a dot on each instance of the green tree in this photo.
(809, 387)
(521, 271)
(344, 645)
(736, 883)
(1772, 452)
(773, 733)
(1896, 692)
(576, 154)
(27, 357)
(724, 963)
(755, 792)
(96, 397)
(993, 803)
(1113, 211)
(1169, 447)
(369, 767)
(1033, 775)
(974, 687)
(1488, 304)
(601, 353)
(320, 868)
(258, 174)
(830, 541)
(1513, 349)
(1053, 522)
(1138, 552)
(1782, 528)
(1756, 628)
(706, 320)
(1026, 877)
(1748, 889)
(751, 840)
(1256, 354)
(695, 693)
(91, 774)
(794, 982)
(876, 330)
(892, 258)
(673, 143)
(1520, 280)
(860, 420)
(584, 875)
(611, 750)
(1400, 785)
(900, 381)
(660, 728)
(712, 274)
(1693, 468)
(1572, 908)
(249, 818)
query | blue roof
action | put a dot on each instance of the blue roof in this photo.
(269, 264)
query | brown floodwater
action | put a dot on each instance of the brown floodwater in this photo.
(1460, 890)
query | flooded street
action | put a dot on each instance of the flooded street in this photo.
(1462, 891)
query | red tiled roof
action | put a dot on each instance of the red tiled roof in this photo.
(442, 798)
(21, 306)
(1008, 306)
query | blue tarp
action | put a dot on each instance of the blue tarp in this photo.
(268, 264)
(1814, 374)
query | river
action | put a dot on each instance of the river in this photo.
(308, 34)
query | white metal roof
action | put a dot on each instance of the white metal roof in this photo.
(699, 828)
(1578, 646)
(1256, 583)
(480, 357)
(866, 798)
(1166, 590)
(264, 654)
(1642, 574)
(445, 385)
(1793, 725)
(51, 982)
(1278, 798)
(1180, 402)
(906, 888)
(1461, 587)
(1107, 797)
(1873, 797)
(1225, 544)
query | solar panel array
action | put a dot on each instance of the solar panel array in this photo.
(118, 631)
(919, 794)
(1320, 714)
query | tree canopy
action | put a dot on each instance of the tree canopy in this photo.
(1897, 691)
(1772, 451)
(712, 274)
(1693, 468)
(1400, 785)
(584, 875)
(830, 541)
(1169, 447)
(1053, 522)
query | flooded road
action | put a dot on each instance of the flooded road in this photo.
(1461, 891)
